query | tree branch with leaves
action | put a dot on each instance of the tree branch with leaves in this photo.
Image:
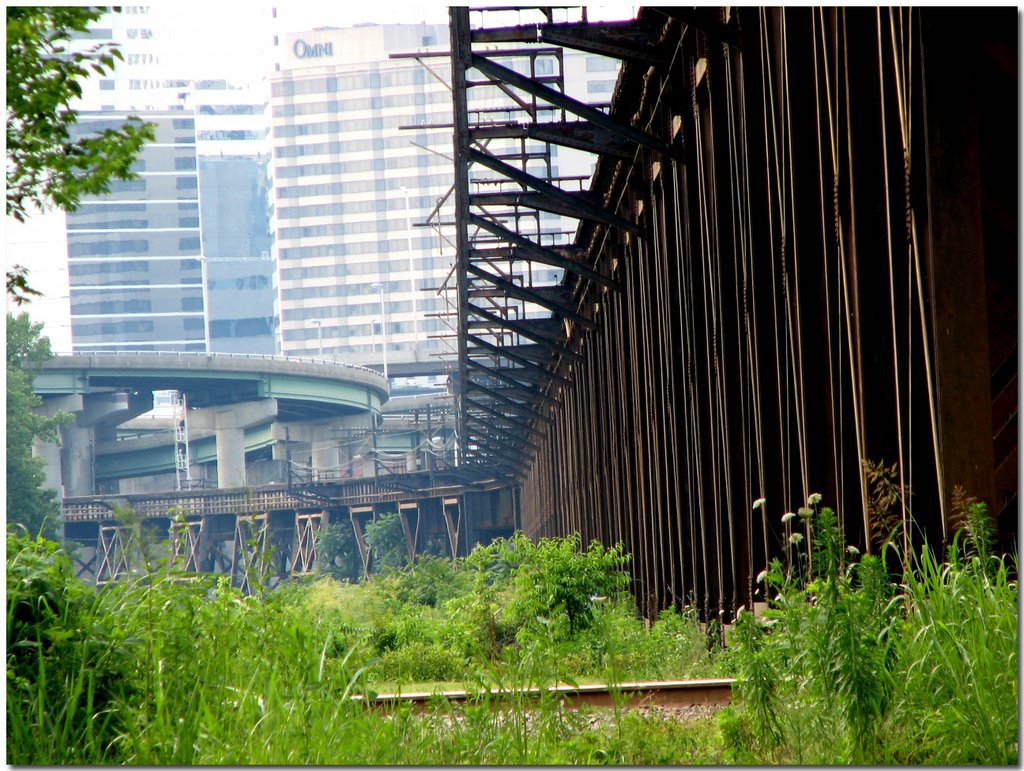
(45, 165)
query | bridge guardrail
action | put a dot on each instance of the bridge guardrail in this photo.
(202, 354)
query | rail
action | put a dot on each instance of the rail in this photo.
(655, 693)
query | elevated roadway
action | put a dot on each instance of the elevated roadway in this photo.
(237, 404)
(304, 388)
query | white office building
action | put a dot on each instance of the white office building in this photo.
(358, 169)
(349, 186)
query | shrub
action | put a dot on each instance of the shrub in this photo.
(556, 583)
(419, 662)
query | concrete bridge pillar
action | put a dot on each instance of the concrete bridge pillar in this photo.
(76, 460)
(69, 465)
(51, 452)
(230, 456)
(325, 458)
(229, 423)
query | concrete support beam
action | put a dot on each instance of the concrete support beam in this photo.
(229, 424)
(76, 457)
(230, 457)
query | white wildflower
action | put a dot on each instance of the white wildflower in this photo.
(759, 503)
(805, 513)
(762, 575)
(814, 499)
(787, 516)
(852, 550)
(796, 538)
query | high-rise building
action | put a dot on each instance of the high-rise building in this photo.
(349, 186)
(362, 159)
(135, 262)
(224, 294)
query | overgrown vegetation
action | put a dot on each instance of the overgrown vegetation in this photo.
(161, 669)
(848, 666)
(29, 503)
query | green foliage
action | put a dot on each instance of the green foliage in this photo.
(44, 164)
(431, 581)
(386, 539)
(18, 289)
(337, 553)
(848, 666)
(66, 660)
(958, 661)
(28, 503)
(556, 582)
(157, 669)
(44, 77)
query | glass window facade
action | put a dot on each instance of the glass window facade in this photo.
(135, 268)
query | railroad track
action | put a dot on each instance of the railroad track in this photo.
(654, 693)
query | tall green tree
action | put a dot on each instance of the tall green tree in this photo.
(45, 165)
(28, 503)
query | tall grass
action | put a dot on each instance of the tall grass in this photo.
(159, 669)
(850, 667)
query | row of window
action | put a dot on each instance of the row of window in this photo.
(230, 134)
(349, 146)
(109, 206)
(343, 331)
(419, 160)
(134, 247)
(231, 109)
(140, 185)
(141, 59)
(136, 347)
(347, 250)
(602, 64)
(240, 283)
(77, 269)
(134, 326)
(362, 104)
(181, 163)
(370, 348)
(377, 185)
(107, 307)
(376, 123)
(252, 327)
(340, 271)
(339, 229)
(600, 86)
(158, 187)
(101, 223)
(344, 311)
(353, 207)
(332, 84)
(107, 247)
(344, 290)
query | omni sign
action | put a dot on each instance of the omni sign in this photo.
(304, 50)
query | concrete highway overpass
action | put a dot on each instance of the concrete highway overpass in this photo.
(241, 408)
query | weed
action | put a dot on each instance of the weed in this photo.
(849, 666)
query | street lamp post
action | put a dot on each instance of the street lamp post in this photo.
(408, 247)
(319, 337)
(408, 225)
(379, 286)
